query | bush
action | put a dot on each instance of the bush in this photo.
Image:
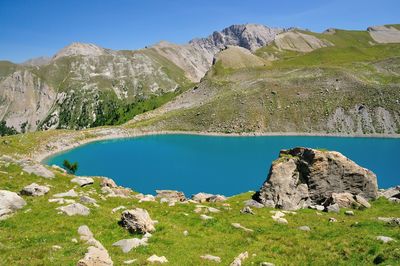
(70, 167)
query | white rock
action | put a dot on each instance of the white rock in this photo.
(304, 228)
(130, 261)
(137, 220)
(185, 233)
(211, 258)
(157, 259)
(239, 226)
(82, 180)
(118, 209)
(75, 209)
(239, 259)
(206, 217)
(39, 170)
(70, 193)
(128, 244)
(35, 190)
(10, 202)
(385, 239)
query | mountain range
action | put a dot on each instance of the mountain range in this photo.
(245, 78)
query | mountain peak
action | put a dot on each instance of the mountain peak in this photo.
(77, 48)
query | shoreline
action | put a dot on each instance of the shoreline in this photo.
(123, 133)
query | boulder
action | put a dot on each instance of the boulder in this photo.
(70, 193)
(241, 227)
(96, 254)
(385, 239)
(119, 192)
(137, 220)
(301, 177)
(37, 169)
(239, 259)
(82, 181)
(304, 228)
(35, 190)
(253, 203)
(206, 197)
(157, 259)
(127, 245)
(171, 195)
(347, 200)
(9, 203)
(333, 208)
(390, 220)
(75, 209)
(211, 258)
(393, 192)
(108, 182)
(246, 210)
(206, 217)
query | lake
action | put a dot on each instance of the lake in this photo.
(223, 165)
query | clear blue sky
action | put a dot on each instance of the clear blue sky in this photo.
(31, 28)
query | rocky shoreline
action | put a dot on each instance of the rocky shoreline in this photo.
(53, 147)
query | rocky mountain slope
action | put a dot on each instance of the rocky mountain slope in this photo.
(250, 78)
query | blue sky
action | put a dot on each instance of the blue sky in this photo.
(31, 28)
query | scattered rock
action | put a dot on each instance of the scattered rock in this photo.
(304, 228)
(253, 203)
(82, 181)
(147, 198)
(247, 210)
(333, 208)
(118, 209)
(349, 213)
(390, 220)
(157, 259)
(70, 193)
(347, 200)
(137, 220)
(75, 209)
(37, 169)
(267, 264)
(56, 247)
(211, 258)
(130, 261)
(239, 259)
(62, 201)
(171, 195)
(128, 244)
(87, 199)
(393, 192)
(119, 192)
(58, 168)
(35, 190)
(9, 203)
(239, 226)
(206, 217)
(206, 197)
(96, 254)
(185, 233)
(280, 220)
(302, 177)
(74, 240)
(332, 220)
(385, 239)
(107, 182)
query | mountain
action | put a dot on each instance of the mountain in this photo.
(244, 78)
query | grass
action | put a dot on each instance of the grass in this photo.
(350, 241)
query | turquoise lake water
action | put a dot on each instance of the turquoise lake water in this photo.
(223, 165)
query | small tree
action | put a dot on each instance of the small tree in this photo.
(70, 167)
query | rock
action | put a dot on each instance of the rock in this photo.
(247, 210)
(74, 240)
(58, 168)
(147, 198)
(384, 34)
(347, 200)
(130, 261)
(75, 209)
(185, 233)
(333, 208)
(280, 220)
(37, 169)
(9, 203)
(147, 235)
(390, 220)
(35, 190)
(128, 244)
(304, 228)
(157, 259)
(87, 199)
(206, 197)
(118, 209)
(267, 264)
(56, 247)
(206, 217)
(213, 210)
(62, 201)
(332, 220)
(253, 203)
(107, 182)
(239, 226)
(171, 195)
(362, 201)
(393, 192)
(239, 259)
(96, 254)
(302, 177)
(349, 213)
(118, 192)
(385, 239)
(211, 258)
(82, 181)
(70, 193)
(394, 200)
(137, 220)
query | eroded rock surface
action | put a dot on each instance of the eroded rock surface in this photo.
(35, 190)
(137, 220)
(9, 203)
(302, 177)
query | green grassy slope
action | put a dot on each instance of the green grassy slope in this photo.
(37, 227)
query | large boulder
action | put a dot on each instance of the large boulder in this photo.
(34, 190)
(137, 220)
(75, 209)
(9, 203)
(302, 177)
(171, 195)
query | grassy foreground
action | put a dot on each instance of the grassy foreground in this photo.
(27, 237)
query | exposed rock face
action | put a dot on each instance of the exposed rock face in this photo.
(384, 34)
(302, 177)
(299, 42)
(206, 197)
(127, 245)
(36, 169)
(9, 203)
(76, 48)
(137, 220)
(75, 209)
(82, 180)
(171, 195)
(35, 190)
